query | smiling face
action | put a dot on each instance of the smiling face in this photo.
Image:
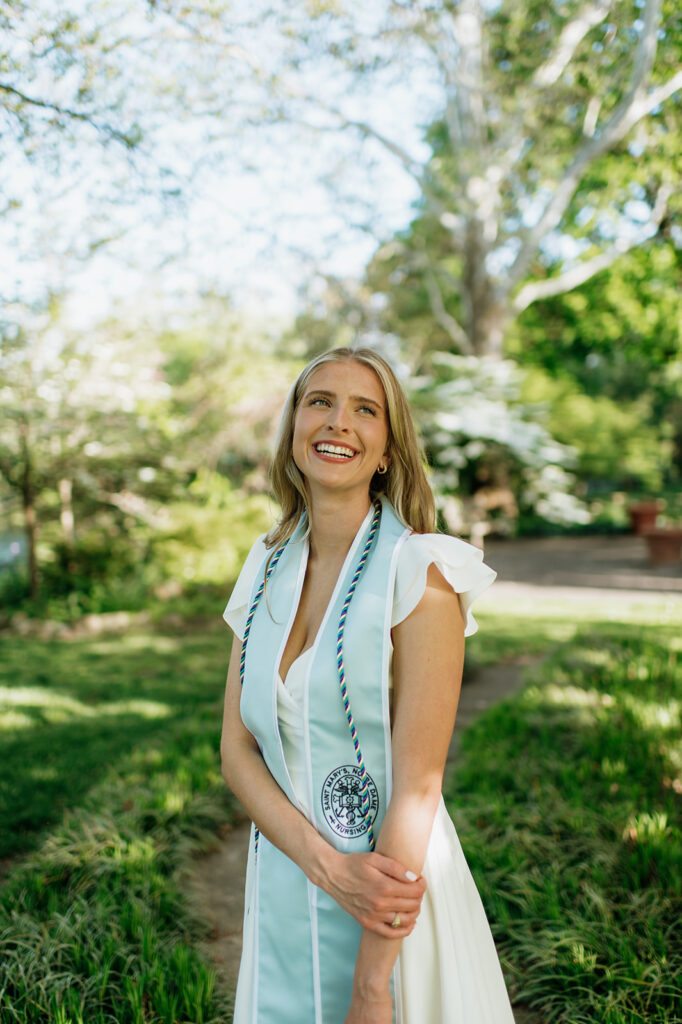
(341, 428)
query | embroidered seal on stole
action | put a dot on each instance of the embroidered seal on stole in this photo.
(342, 801)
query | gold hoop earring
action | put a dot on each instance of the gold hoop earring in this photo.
(381, 470)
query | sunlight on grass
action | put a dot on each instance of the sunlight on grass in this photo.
(653, 715)
(570, 696)
(647, 828)
(583, 607)
(11, 720)
(59, 707)
(143, 708)
(148, 642)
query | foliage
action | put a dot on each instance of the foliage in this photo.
(97, 146)
(615, 334)
(207, 541)
(228, 383)
(84, 430)
(618, 339)
(567, 802)
(616, 444)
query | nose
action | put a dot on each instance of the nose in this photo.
(337, 418)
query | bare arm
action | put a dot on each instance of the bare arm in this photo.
(427, 673)
(369, 886)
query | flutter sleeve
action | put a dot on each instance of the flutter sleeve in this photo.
(460, 563)
(237, 609)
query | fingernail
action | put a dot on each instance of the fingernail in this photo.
(410, 876)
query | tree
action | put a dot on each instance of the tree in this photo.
(106, 129)
(83, 424)
(518, 198)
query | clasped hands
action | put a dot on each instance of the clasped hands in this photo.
(374, 889)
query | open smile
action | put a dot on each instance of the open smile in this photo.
(335, 452)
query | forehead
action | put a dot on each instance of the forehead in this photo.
(349, 377)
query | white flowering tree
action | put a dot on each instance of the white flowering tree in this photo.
(82, 415)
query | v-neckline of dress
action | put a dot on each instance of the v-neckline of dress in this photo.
(294, 662)
(342, 574)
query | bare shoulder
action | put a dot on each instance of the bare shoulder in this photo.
(438, 597)
(438, 615)
(436, 581)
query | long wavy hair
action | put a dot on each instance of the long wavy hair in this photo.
(404, 484)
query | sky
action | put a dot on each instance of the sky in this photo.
(218, 198)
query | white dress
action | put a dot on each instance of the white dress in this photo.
(449, 971)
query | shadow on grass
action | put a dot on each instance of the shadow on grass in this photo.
(70, 712)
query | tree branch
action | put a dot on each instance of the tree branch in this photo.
(136, 506)
(411, 165)
(571, 36)
(635, 104)
(584, 271)
(74, 115)
(452, 328)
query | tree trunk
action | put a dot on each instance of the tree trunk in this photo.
(489, 329)
(66, 510)
(30, 519)
(486, 313)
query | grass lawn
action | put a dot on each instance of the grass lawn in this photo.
(568, 802)
(111, 781)
(111, 776)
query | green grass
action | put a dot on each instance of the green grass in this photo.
(70, 712)
(567, 800)
(525, 626)
(111, 782)
(113, 743)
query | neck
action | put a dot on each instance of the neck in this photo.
(334, 522)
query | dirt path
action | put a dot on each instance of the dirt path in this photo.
(217, 884)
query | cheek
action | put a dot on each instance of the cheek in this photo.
(298, 440)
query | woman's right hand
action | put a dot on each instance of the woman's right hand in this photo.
(373, 889)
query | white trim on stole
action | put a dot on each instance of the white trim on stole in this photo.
(385, 668)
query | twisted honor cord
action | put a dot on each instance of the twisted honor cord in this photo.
(247, 630)
(364, 783)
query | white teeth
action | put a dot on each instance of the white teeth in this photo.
(333, 449)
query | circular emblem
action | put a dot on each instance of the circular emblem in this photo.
(342, 801)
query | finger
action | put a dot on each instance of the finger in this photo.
(388, 932)
(394, 869)
(405, 920)
(385, 930)
(392, 903)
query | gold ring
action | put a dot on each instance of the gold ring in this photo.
(396, 922)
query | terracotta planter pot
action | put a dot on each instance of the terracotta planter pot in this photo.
(664, 545)
(643, 515)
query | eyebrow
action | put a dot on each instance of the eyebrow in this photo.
(354, 398)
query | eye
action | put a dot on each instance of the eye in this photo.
(318, 401)
(369, 409)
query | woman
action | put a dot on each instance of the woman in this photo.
(359, 905)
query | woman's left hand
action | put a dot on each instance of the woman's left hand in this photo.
(376, 1008)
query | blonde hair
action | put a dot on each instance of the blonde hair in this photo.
(404, 484)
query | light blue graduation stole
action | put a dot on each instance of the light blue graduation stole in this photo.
(306, 945)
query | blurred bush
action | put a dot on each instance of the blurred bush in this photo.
(615, 443)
